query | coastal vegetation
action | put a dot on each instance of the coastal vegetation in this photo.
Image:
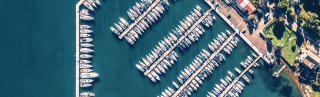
(283, 39)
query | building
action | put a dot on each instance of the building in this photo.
(310, 63)
(246, 6)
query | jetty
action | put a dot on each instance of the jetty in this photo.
(136, 21)
(238, 78)
(78, 46)
(203, 65)
(277, 73)
(177, 43)
(257, 44)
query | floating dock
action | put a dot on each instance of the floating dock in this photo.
(78, 46)
(136, 21)
(177, 43)
(238, 78)
(203, 65)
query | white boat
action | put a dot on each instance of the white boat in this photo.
(92, 3)
(237, 70)
(84, 61)
(124, 21)
(86, 45)
(85, 66)
(156, 12)
(118, 27)
(97, 2)
(122, 25)
(155, 75)
(85, 85)
(89, 75)
(131, 16)
(85, 26)
(85, 70)
(115, 31)
(140, 68)
(85, 35)
(87, 4)
(85, 56)
(86, 50)
(86, 80)
(84, 12)
(151, 78)
(87, 94)
(85, 31)
(86, 17)
(86, 40)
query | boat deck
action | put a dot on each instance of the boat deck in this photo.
(238, 78)
(203, 65)
(136, 21)
(177, 43)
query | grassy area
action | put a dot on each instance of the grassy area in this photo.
(315, 94)
(285, 38)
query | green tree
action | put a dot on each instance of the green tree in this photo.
(283, 5)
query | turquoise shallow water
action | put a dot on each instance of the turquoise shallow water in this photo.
(38, 39)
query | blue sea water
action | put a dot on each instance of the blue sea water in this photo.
(38, 52)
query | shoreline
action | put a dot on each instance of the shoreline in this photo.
(293, 77)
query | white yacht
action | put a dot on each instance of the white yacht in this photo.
(86, 40)
(85, 56)
(85, 70)
(92, 3)
(85, 31)
(86, 45)
(86, 50)
(84, 27)
(85, 85)
(124, 21)
(97, 2)
(85, 66)
(86, 17)
(85, 35)
(87, 4)
(87, 94)
(84, 61)
(86, 80)
(89, 75)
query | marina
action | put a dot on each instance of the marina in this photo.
(157, 64)
(176, 44)
(191, 52)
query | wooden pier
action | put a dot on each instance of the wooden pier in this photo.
(238, 78)
(203, 66)
(236, 22)
(137, 20)
(78, 46)
(177, 43)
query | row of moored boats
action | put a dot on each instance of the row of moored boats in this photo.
(166, 44)
(89, 4)
(150, 17)
(87, 75)
(237, 88)
(220, 87)
(193, 85)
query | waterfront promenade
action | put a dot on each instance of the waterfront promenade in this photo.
(177, 43)
(136, 21)
(238, 78)
(203, 65)
(77, 46)
(237, 23)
